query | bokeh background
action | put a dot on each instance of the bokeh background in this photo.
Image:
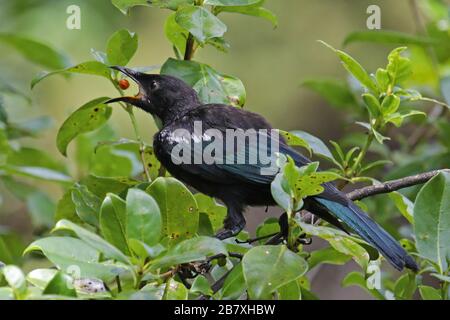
(272, 63)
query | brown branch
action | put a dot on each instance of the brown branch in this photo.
(189, 51)
(393, 185)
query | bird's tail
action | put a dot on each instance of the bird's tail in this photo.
(371, 232)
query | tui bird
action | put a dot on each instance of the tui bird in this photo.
(177, 107)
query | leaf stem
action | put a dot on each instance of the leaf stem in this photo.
(129, 109)
(354, 170)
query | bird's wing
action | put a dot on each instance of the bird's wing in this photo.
(251, 162)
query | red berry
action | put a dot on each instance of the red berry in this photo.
(124, 84)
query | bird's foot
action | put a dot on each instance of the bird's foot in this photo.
(229, 232)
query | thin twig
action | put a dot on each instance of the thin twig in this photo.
(393, 185)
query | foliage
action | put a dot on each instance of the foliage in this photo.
(125, 229)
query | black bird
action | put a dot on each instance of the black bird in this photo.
(177, 106)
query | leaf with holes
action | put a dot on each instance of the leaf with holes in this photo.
(87, 118)
(180, 217)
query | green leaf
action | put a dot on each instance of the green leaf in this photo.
(267, 268)
(113, 222)
(151, 162)
(404, 205)
(90, 67)
(201, 23)
(171, 4)
(398, 68)
(195, 249)
(38, 173)
(350, 248)
(211, 86)
(231, 2)
(11, 247)
(125, 5)
(73, 255)
(390, 104)
(357, 279)
(429, 293)
(41, 277)
(87, 205)
(234, 285)
(432, 221)
(143, 217)
(201, 285)
(180, 217)
(216, 212)
(397, 118)
(373, 105)
(383, 81)
(16, 280)
(405, 286)
(295, 140)
(121, 47)
(290, 291)
(333, 91)
(87, 118)
(60, 284)
(252, 10)
(353, 67)
(176, 34)
(385, 36)
(175, 291)
(93, 240)
(327, 255)
(35, 51)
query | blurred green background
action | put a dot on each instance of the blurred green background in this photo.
(272, 63)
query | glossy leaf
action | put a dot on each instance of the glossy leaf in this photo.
(87, 205)
(201, 23)
(267, 268)
(195, 249)
(179, 218)
(175, 291)
(125, 5)
(252, 10)
(121, 47)
(429, 293)
(87, 118)
(211, 86)
(404, 205)
(16, 280)
(215, 212)
(113, 222)
(92, 239)
(73, 255)
(95, 68)
(143, 217)
(60, 284)
(234, 285)
(432, 221)
(354, 68)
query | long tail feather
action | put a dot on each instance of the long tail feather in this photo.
(371, 232)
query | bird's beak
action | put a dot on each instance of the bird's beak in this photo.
(136, 77)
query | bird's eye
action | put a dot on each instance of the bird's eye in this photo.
(153, 85)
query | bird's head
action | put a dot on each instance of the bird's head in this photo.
(161, 95)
